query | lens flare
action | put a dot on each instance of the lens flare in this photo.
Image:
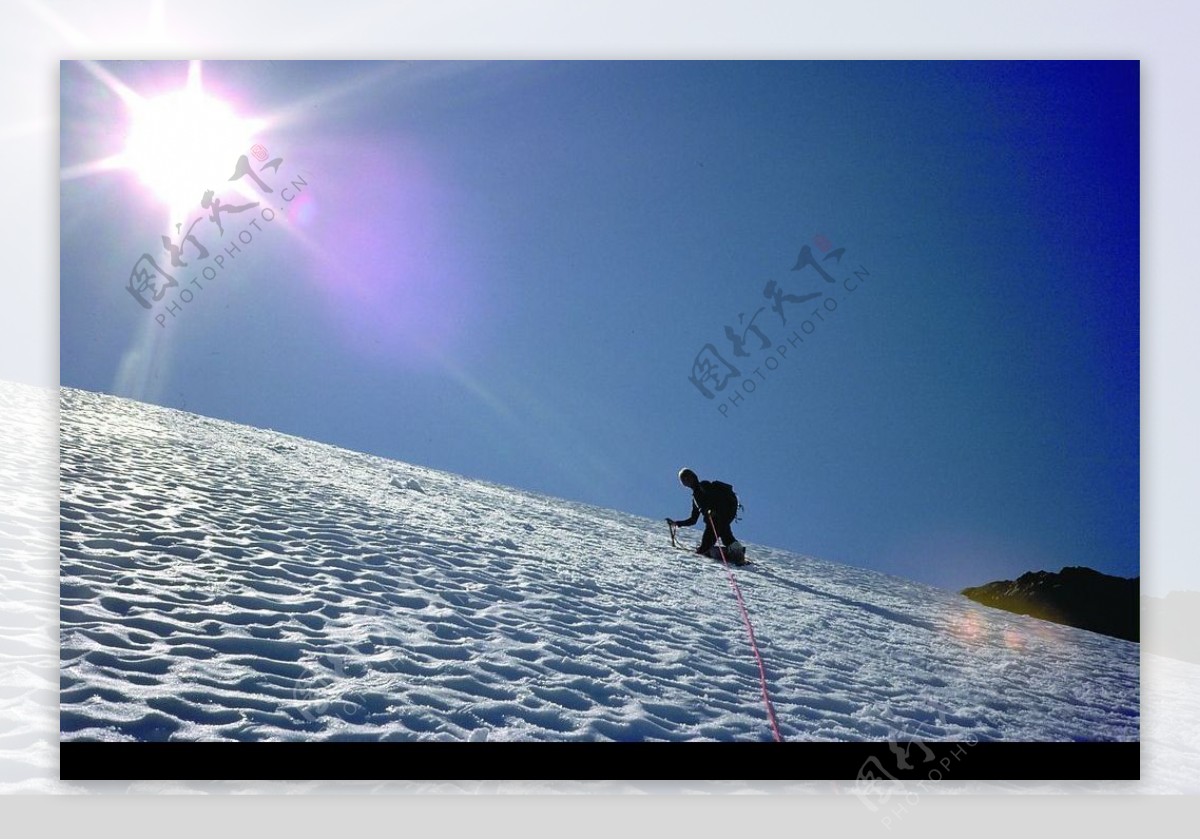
(183, 143)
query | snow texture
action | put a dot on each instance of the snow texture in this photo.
(29, 659)
(225, 582)
(28, 589)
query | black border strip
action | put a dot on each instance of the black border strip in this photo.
(599, 761)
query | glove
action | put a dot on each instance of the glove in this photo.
(672, 522)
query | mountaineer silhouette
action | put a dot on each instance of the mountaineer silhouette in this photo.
(717, 504)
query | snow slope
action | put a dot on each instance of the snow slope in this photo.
(28, 588)
(225, 582)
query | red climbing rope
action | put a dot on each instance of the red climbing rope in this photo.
(762, 671)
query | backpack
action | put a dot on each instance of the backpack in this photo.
(726, 491)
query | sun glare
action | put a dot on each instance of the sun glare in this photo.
(183, 143)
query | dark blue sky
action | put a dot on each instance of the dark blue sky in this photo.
(507, 271)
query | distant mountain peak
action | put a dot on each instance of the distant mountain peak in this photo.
(1077, 595)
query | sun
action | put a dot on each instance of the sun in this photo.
(182, 143)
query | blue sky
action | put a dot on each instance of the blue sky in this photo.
(507, 270)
